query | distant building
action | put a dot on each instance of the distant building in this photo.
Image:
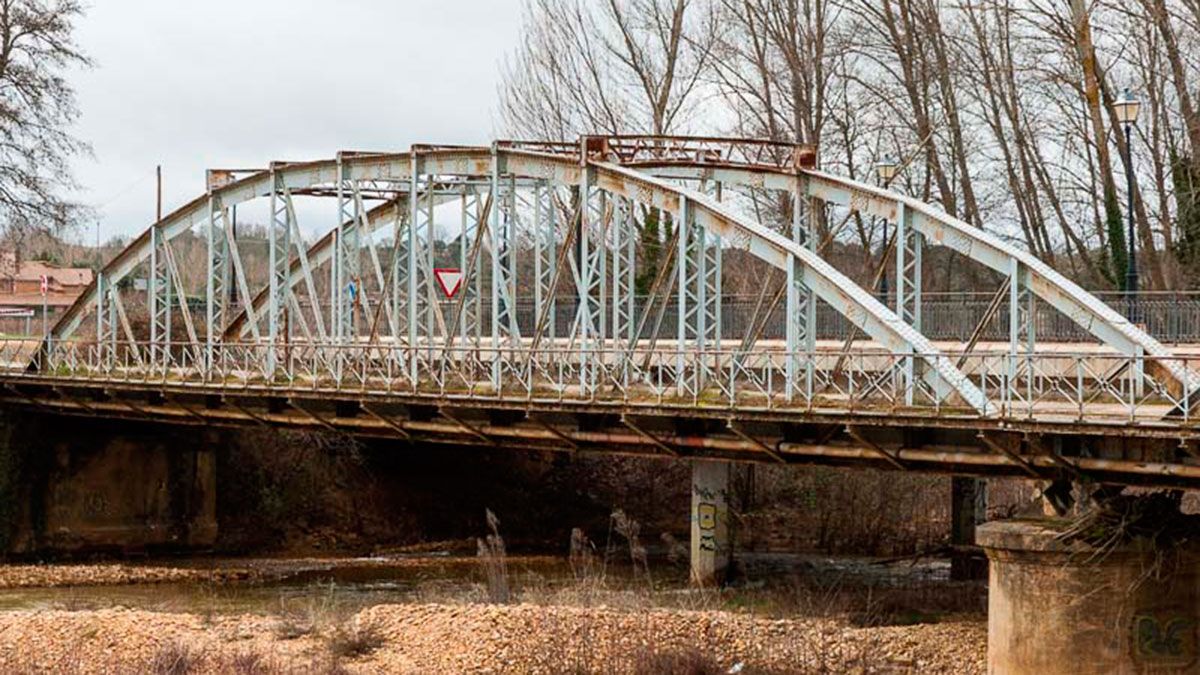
(21, 287)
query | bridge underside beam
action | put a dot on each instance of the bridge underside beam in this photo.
(925, 445)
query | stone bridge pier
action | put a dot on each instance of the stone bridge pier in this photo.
(1058, 608)
(77, 485)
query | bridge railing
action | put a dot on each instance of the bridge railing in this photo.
(1057, 387)
(1171, 317)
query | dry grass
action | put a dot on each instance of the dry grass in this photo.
(355, 638)
(494, 558)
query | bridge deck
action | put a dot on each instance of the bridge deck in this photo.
(1071, 410)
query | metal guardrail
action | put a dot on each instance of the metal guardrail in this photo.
(1170, 317)
(1047, 387)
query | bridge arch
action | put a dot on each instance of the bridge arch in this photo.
(1032, 276)
(803, 266)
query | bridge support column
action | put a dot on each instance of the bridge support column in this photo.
(712, 550)
(82, 485)
(1057, 608)
(968, 509)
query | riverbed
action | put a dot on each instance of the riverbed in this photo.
(437, 612)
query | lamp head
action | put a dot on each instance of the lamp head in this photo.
(887, 168)
(1127, 108)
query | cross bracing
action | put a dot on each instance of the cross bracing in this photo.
(548, 239)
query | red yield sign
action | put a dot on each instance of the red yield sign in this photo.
(450, 279)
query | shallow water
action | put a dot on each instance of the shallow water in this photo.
(283, 584)
(279, 585)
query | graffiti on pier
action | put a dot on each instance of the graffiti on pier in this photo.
(706, 518)
(1164, 638)
(709, 506)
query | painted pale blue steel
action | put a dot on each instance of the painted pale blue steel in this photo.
(859, 306)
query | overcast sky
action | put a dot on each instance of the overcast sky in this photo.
(237, 83)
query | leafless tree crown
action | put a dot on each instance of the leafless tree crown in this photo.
(1002, 110)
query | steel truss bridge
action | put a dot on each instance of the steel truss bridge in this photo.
(549, 346)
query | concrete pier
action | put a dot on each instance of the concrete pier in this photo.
(1055, 609)
(711, 550)
(968, 510)
(96, 485)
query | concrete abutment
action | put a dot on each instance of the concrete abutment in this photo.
(78, 485)
(1057, 608)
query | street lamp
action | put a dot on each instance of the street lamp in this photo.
(886, 168)
(1127, 108)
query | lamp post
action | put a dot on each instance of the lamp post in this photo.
(886, 168)
(1127, 108)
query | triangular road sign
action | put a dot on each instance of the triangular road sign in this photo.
(450, 279)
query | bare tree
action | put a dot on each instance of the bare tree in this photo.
(37, 106)
(617, 66)
(1008, 106)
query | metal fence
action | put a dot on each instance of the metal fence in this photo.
(1054, 387)
(1171, 318)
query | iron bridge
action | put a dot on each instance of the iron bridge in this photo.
(551, 345)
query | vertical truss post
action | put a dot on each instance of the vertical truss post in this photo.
(471, 324)
(623, 253)
(334, 267)
(589, 319)
(218, 277)
(399, 265)
(419, 242)
(584, 316)
(494, 230)
(801, 305)
(798, 298)
(402, 266)
(711, 252)
(152, 291)
(714, 253)
(684, 230)
(501, 228)
(159, 296)
(1021, 329)
(545, 258)
(508, 265)
(113, 321)
(349, 253)
(278, 262)
(106, 331)
(599, 268)
(909, 246)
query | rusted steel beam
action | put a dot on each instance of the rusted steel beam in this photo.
(1007, 452)
(469, 428)
(930, 459)
(562, 436)
(887, 456)
(649, 437)
(392, 424)
(733, 427)
(946, 418)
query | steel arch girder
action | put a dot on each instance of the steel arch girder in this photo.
(320, 252)
(859, 306)
(939, 228)
(1066, 296)
(295, 176)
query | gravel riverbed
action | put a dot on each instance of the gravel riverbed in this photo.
(479, 638)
